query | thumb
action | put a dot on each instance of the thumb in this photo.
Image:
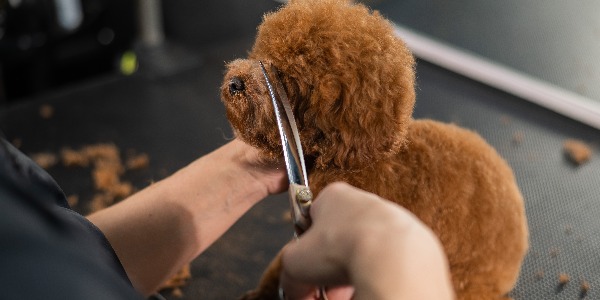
(300, 281)
(292, 278)
(308, 260)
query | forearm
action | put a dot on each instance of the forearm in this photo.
(161, 228)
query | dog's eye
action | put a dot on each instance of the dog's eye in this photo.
(236, 85)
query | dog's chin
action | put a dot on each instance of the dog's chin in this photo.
(268, 145)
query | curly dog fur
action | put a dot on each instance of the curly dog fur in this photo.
(351, 84)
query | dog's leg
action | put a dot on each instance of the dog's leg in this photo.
(268, 287)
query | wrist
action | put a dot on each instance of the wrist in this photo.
(249, 173)
(215, 191)
(227, 170)
(265, 172)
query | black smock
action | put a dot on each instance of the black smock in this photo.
(47, 250)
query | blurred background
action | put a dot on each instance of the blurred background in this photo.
(143, 77)
(49, 44)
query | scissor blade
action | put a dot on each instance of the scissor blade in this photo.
(290, 139)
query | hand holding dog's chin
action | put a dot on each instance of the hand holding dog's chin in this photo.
(269, 172)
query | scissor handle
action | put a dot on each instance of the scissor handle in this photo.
(300, 202)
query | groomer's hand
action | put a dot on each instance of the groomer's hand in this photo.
(269, 172)
(191, 209)
(364, 247)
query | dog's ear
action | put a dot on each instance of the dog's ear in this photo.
(351, 123)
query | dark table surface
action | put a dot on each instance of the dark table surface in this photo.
(174, 115)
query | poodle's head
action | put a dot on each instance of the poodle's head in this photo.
(349, 79)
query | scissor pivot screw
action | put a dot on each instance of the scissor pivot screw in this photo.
(304, 196)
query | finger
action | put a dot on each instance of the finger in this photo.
(295, 290)
(328, 200)
(344, 292)
(308, 292)
(303, 261)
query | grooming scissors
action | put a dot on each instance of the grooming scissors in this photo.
(300, 195)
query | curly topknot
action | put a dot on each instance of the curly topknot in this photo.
(356, 78)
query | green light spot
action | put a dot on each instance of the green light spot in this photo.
(129, 63)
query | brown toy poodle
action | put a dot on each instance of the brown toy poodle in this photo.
(351, 84)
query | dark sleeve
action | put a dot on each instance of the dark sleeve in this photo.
(48, 251)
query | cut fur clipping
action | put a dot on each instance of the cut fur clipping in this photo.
(351, 81)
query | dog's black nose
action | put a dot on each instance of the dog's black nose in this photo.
(236, 85)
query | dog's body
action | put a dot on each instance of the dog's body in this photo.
(457, 185)
(351, 84)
